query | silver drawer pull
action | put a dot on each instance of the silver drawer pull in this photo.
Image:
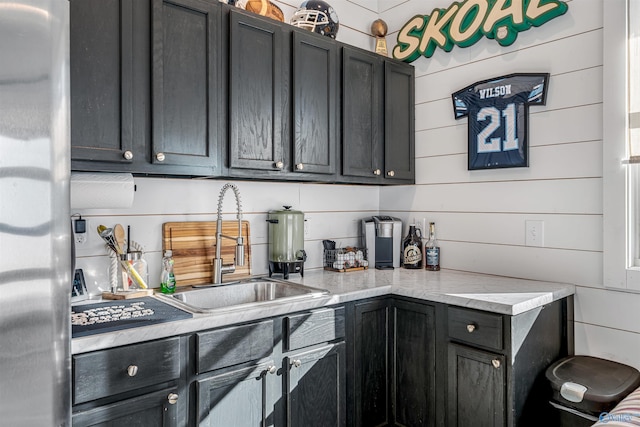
(391, 173)
(279, 165)
(128, 155)
(471, 327)
(160, 157)
(132, 370)
(172, 398)
(299, 166)
(495, 363)
(377, 172)
(271, 369)
(296, 363)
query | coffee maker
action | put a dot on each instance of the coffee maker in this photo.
(382, 236)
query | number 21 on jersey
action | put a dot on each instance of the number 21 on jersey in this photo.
(494, 123)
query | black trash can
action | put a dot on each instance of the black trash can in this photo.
(584, 387)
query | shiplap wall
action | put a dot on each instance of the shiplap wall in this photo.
(480, 215)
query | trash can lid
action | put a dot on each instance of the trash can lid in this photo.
(605, 381)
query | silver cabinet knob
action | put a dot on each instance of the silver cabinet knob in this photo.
(471, 327)
(296, 363)
(391, 173)
(160, 157)
(377, 172)
(299, 166)
(271, 369)
(495, 363)
(132, 370)
(279, 165)
(172, 398)
(128, 155)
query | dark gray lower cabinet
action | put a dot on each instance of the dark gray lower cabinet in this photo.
(135, 385)
(287, 371)
(413, 388)
(476, 387)
(371, 363)
(149, 410)
(316, 387)
(243, 397)
(415, 363)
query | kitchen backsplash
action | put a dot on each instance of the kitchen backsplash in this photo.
(332, 212)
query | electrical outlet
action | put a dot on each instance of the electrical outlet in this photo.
(534, 233)
(80, 238)
(307, 229)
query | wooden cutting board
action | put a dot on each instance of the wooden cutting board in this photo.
(193, 246)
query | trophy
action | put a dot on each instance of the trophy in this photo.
(379, 30)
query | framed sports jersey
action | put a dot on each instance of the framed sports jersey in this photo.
(498, 118)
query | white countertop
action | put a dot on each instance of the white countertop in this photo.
(496, 294)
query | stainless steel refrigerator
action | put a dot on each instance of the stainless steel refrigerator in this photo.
(35, 237)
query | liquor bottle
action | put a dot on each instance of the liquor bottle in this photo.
(412, 249)
(432, 250)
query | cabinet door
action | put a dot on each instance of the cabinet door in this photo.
(156, 409)
(414, 365)
(362, 112)
(316, 387)
(315, 106)
(101, 58)
(244, 397)
(399, 126)
(476, 387)
(185, 83)
(371, 363)
(257, 79)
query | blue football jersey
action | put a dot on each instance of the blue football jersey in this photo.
(498, 116)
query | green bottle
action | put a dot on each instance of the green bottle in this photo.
(167, 279)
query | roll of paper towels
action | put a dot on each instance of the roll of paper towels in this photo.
(101, 190)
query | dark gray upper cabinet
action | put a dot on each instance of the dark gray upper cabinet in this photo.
(399, 126)
(378, 111)
(258, 80)
(315, 103)
(198, 88)
(101, 71)
(186, 83)
(362, 114)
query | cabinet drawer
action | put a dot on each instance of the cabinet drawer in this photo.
(476, 327)
(108, 372)
(234, 345)
(303, 330)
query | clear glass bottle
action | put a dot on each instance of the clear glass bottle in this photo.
(432, 250)
(137, 262)
(167, 279)
(412, 249)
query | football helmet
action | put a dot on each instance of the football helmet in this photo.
(317, 16)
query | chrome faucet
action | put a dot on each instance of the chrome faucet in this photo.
(218, 268)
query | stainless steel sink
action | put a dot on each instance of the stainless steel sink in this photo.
(245, 294)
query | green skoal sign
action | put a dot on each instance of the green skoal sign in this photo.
(464, 23)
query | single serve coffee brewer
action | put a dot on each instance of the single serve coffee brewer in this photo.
(382, 236)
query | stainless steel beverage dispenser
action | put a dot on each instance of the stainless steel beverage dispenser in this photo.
(382, 236)
(286, 242)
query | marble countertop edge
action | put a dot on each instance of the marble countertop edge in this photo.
(476, 291)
